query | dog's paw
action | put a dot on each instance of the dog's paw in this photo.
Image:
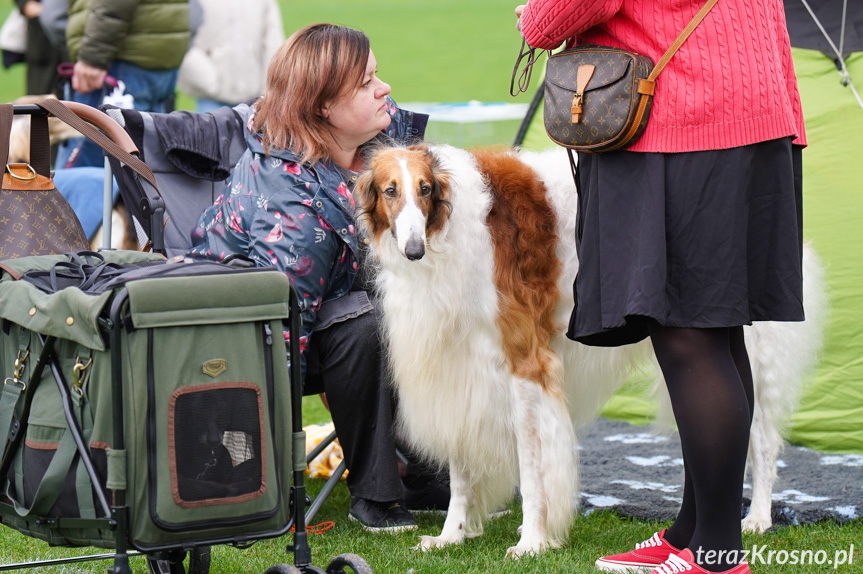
(430, 542)
(519, 550)
(756, 524)
(525, 549)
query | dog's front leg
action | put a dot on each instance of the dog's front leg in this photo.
(529, 446)
(455, 525)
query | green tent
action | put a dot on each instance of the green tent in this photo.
(830, 417)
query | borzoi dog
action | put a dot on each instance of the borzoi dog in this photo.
(476, 261)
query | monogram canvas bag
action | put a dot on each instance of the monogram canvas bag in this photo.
(35, 219)
(598, 98)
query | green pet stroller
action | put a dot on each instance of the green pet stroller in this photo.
(146, 404)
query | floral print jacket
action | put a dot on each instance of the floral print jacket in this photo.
(296, 217)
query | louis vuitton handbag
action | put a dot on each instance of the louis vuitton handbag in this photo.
(598, 98)
(35, 219)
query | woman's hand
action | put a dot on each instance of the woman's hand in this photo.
(86, 78)
(518, 10)
(31, 9)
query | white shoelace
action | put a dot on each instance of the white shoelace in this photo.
(673, 565)
(652, 541)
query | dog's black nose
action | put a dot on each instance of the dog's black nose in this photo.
(415, 249)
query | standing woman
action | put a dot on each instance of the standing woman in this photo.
(691, 233)
(288, 204)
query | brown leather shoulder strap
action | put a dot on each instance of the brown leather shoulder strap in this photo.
(40, 145)
(696, 20)
(70, 112)
(12, 273)
(7, 112)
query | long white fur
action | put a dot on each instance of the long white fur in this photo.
(460, 405)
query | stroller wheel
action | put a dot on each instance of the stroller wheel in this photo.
(199, 560)
(283, 569)
(356, 563)
(165, 565)
(172, 563)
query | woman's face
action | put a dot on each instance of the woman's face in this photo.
(357, 116)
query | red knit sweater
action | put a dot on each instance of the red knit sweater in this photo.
(731, 84)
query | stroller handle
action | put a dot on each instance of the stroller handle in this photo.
(104, 122)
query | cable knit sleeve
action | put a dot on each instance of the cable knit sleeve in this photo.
(546, 24)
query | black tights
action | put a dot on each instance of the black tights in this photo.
(709, 380)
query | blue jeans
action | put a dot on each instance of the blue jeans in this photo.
(153, 90)
(84, 189)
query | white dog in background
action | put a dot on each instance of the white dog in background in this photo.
(476, 263)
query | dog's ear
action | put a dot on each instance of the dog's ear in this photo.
(441, 191)
(420, 146)
(441, 186)
(366, 199)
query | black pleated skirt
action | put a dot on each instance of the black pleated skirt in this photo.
(699, 239)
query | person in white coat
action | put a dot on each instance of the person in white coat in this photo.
(227, 61)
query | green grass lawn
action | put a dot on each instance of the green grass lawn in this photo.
(592, 536)
(441, 51)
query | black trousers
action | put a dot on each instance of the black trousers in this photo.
(345, 361)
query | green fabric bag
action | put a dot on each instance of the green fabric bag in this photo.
(205, 406)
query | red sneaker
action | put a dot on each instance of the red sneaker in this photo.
(645, 558)
(685, 562)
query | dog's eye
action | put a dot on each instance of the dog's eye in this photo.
(425, 189)
(390, 191)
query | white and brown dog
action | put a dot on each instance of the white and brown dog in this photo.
(476, 260)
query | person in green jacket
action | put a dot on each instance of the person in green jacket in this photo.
(139, 43)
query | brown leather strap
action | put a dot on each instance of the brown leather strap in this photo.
(40, 145)
(80, 117)
(7, 112)
(583, 76)
(682, 38)
(12, 273)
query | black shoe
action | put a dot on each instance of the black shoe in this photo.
(387, 517)
(426, 494)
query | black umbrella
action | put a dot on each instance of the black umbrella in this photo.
(829, 26)
(805, 32)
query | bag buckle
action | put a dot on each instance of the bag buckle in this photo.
(26, 166)
(576, 108)
(77, 371)
(582, 78)
(14, 381)
(18, 369)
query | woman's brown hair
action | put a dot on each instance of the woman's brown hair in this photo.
(315, 66)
